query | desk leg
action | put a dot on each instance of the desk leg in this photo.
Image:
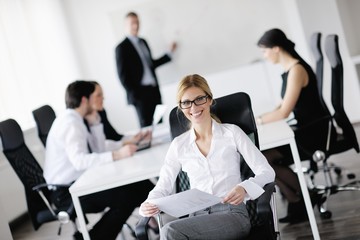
(80, 217)
(304, 190)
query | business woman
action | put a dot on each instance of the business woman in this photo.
(209, 153)
(300, 96)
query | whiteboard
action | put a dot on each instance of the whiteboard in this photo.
(212, 35)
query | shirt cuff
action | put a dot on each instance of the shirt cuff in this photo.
(107, 157)
(253, 190)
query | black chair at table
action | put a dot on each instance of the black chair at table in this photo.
(44, 117)
(341, 136)
(235, 109)
(40, 207)
(315, 44)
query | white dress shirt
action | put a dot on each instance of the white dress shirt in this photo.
(219, 171)
(147, 78)
(67, 152)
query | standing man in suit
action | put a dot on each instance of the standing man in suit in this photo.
(136, 70)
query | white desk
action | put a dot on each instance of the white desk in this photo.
(147, 163)
(143, 165)
(276, 134)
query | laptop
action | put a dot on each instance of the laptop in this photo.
(145, 142)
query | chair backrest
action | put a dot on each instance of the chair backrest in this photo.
(44, 118)
(315, 44)
(235, 109)
(337, 93)
(24, 164)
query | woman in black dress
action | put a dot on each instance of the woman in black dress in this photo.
(300, 96)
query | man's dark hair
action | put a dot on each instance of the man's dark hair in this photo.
(76, 90)
(131, 14)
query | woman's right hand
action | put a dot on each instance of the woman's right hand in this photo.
(148, 209)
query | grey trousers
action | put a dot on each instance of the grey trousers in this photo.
(221, 221)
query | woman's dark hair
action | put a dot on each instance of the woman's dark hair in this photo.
(277, 38)
(76, 90)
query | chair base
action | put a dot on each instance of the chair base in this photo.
(326, 191)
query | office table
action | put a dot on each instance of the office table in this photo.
(277, 134)
(147, 163)
(143, 165)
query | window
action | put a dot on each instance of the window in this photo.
(37, 60)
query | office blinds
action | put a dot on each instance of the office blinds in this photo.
(37, 58)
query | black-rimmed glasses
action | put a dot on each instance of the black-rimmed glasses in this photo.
(197, 101)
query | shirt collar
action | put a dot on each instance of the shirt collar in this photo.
(75, 113)
(133, 39)
(216, 131)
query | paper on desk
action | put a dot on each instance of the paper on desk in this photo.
(186, 202)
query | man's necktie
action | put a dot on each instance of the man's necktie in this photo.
(145, 52)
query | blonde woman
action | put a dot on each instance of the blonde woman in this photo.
(209, 153)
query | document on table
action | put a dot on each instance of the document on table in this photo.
(186, 202)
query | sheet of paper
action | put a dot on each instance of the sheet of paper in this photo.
(186, 202)
(159, 112)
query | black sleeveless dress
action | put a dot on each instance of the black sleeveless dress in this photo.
(308, 109)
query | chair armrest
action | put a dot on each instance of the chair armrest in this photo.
(263, 202)
(50, 187)
(312, 123)
(141, 228)
(53, 187)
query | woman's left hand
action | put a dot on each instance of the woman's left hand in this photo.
(148, 209)
(235, 196)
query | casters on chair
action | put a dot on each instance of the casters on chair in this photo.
(351, 176)
(318, 200)
(337, 170)
(325, 215)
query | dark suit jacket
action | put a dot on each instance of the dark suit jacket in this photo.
(130, 70)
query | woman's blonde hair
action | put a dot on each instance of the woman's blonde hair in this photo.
(194, 80)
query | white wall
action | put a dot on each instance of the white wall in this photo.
(37, 59)
(212, 37)
(37, 62)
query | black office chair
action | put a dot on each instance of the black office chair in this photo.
(315, 44)
(40, 208)
(235, 109)
(341, 135)
(44, 117)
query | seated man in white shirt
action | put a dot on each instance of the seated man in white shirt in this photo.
(71, 149)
